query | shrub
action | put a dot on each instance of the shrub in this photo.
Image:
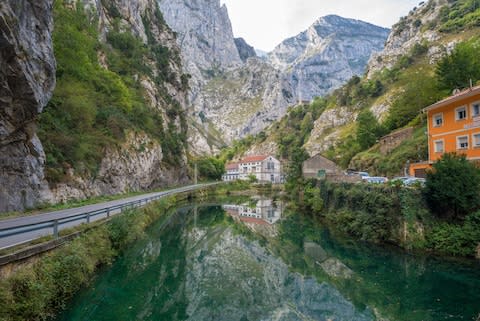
(462, 65)
(452, 187)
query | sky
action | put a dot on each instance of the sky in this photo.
(266, 23)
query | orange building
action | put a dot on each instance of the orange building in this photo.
(453, 126)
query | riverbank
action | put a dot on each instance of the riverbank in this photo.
(391, 214)
(39, 289)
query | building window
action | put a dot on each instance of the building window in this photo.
(437, 120)
(462, 142)
(476, 109)
(270, 165)
(461, 113)
(438, 146)
(476, 140)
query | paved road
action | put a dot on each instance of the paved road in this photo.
(11, 229)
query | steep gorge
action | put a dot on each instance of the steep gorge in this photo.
(116, 121)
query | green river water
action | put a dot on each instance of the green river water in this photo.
(224, 262)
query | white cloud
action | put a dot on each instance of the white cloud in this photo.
(265, 23)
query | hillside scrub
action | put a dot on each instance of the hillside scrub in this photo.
(391, 214)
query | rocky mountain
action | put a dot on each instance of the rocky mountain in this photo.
(400, 81)
(327, 54)
(27, 80)
(233, 96)
(244, 49)
(417, 36)
(205, 35)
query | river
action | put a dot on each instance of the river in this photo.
(256, 262)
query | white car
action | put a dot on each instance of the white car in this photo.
(375, 179)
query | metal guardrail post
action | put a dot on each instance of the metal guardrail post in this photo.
(55, 229)
(88, 218)
(108, 212)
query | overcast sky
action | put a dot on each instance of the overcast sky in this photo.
(266, 23)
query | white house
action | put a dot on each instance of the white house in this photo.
(232, 172)
(265, 168)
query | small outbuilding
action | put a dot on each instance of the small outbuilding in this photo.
(318, 167)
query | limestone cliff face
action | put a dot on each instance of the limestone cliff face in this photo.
(204, 33)
(27, 79)
(327, 54)
(244, 49)
(235, 94)
(139, 162)
(245, 100)
(410, 30)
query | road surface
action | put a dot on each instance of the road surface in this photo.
(17, 230)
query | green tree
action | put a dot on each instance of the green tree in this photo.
(462, 65)
(368, 129)
(452, 187)
(210, 168)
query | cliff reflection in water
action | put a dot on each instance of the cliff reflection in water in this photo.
(197, 267)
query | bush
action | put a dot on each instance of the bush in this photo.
(210, 168)
(454, 239)
(452, 187)
(462, 65)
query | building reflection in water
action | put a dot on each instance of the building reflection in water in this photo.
(264, 212)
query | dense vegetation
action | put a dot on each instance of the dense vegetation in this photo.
(93, 107)
(453, 187)
(209, 168)
(393, 215)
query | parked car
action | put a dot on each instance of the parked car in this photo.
(375, 179)
(411, 181)
(363, 174)
(400, 179)
(350, 172)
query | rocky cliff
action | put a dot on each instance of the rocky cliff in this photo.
(204, 33)
(417, 27)
(244, 49)
(327, 54)
(27, 79)
(234, 96)
(142, 158)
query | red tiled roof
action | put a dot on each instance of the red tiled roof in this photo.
(253, 159)
(462, 94)
(253, 220)
(231, 166)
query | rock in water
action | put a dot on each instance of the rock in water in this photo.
(27, 79)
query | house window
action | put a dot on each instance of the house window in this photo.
(437, 120)
(438, 146)
(476, 140)
(476, 109)
(461, 113)
(462, 142)
(270, 165)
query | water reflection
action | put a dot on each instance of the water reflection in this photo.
(260, 211)
(196, 265)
